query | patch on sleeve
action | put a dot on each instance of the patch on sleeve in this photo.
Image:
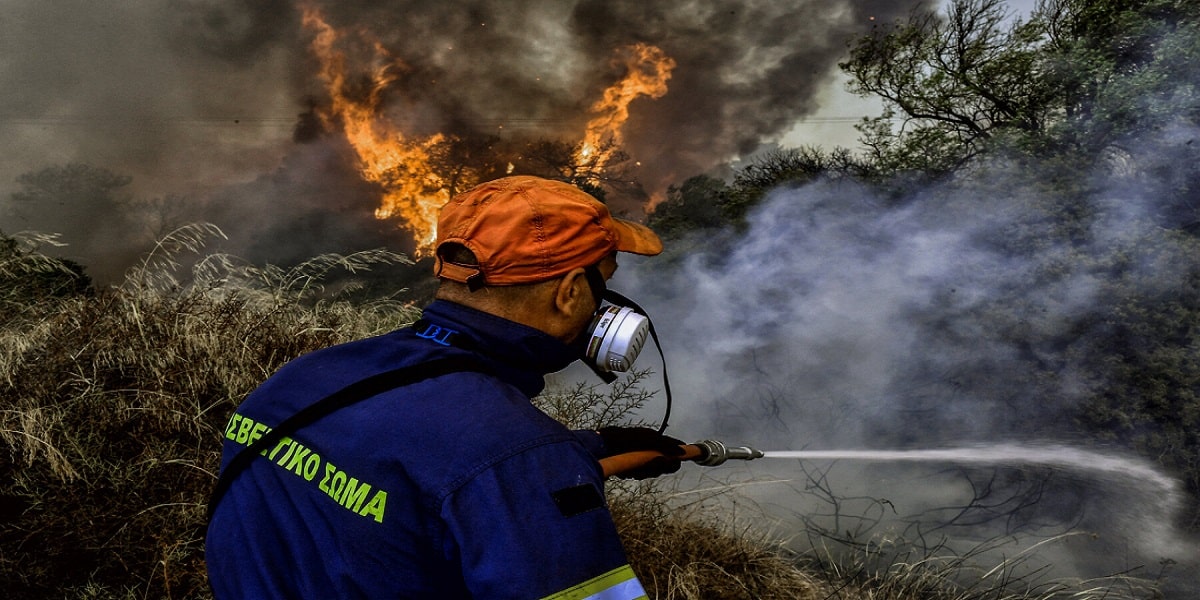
(579, 499)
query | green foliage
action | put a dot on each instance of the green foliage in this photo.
(1120, 67)
(1077, 77)
(1101, 325)
(1095, 83)
(791, 167)
(1149, 397)
(1076, 124)
(707, 204)
(956, 87)
(696, 204)
(955, 80)
(114, 400)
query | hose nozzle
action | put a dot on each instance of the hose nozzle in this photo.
(709, 453)
(713, 453)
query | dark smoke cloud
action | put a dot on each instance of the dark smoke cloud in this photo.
(133, 87)
(746, 71)
(191, 97)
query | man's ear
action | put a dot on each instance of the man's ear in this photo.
(572, 289)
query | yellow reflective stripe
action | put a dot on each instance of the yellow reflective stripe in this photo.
(630, 589)
(617, 584)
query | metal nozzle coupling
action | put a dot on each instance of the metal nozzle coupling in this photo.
(714, 453)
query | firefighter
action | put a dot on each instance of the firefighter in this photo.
(413, 465)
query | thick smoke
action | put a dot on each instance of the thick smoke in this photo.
(841, 320)
(134, 87)
(745, 70)
(198, 100)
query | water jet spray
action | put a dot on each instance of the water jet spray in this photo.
(711, 453)
(1046, 455)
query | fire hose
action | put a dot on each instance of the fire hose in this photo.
(709, 453)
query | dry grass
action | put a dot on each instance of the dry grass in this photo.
(114, 404)
(690, 553)
(901, 570)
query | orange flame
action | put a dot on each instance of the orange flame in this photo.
(411, 188)
(648, 69)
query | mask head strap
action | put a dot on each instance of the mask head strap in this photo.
(595, 282)
(621, 300)
(601, 292)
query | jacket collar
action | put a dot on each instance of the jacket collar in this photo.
(523, 355)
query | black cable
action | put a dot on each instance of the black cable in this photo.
(620, 300)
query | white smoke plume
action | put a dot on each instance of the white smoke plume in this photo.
(842, 320)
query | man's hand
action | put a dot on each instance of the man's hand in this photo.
(620, 440)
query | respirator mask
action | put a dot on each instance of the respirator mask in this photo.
(616, 335)
(614, 338)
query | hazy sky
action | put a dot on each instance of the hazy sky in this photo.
(832, 124)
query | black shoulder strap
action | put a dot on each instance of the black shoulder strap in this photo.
(359, 390)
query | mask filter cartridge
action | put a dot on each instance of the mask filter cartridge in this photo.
(617, 336)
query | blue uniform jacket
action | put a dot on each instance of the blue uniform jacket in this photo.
(452, 487)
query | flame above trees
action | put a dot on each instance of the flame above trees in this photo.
(411, 188)
(403, 167)
(647, 70)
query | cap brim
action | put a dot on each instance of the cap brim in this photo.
(636, 238)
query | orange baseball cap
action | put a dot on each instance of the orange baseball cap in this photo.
(525, 229)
